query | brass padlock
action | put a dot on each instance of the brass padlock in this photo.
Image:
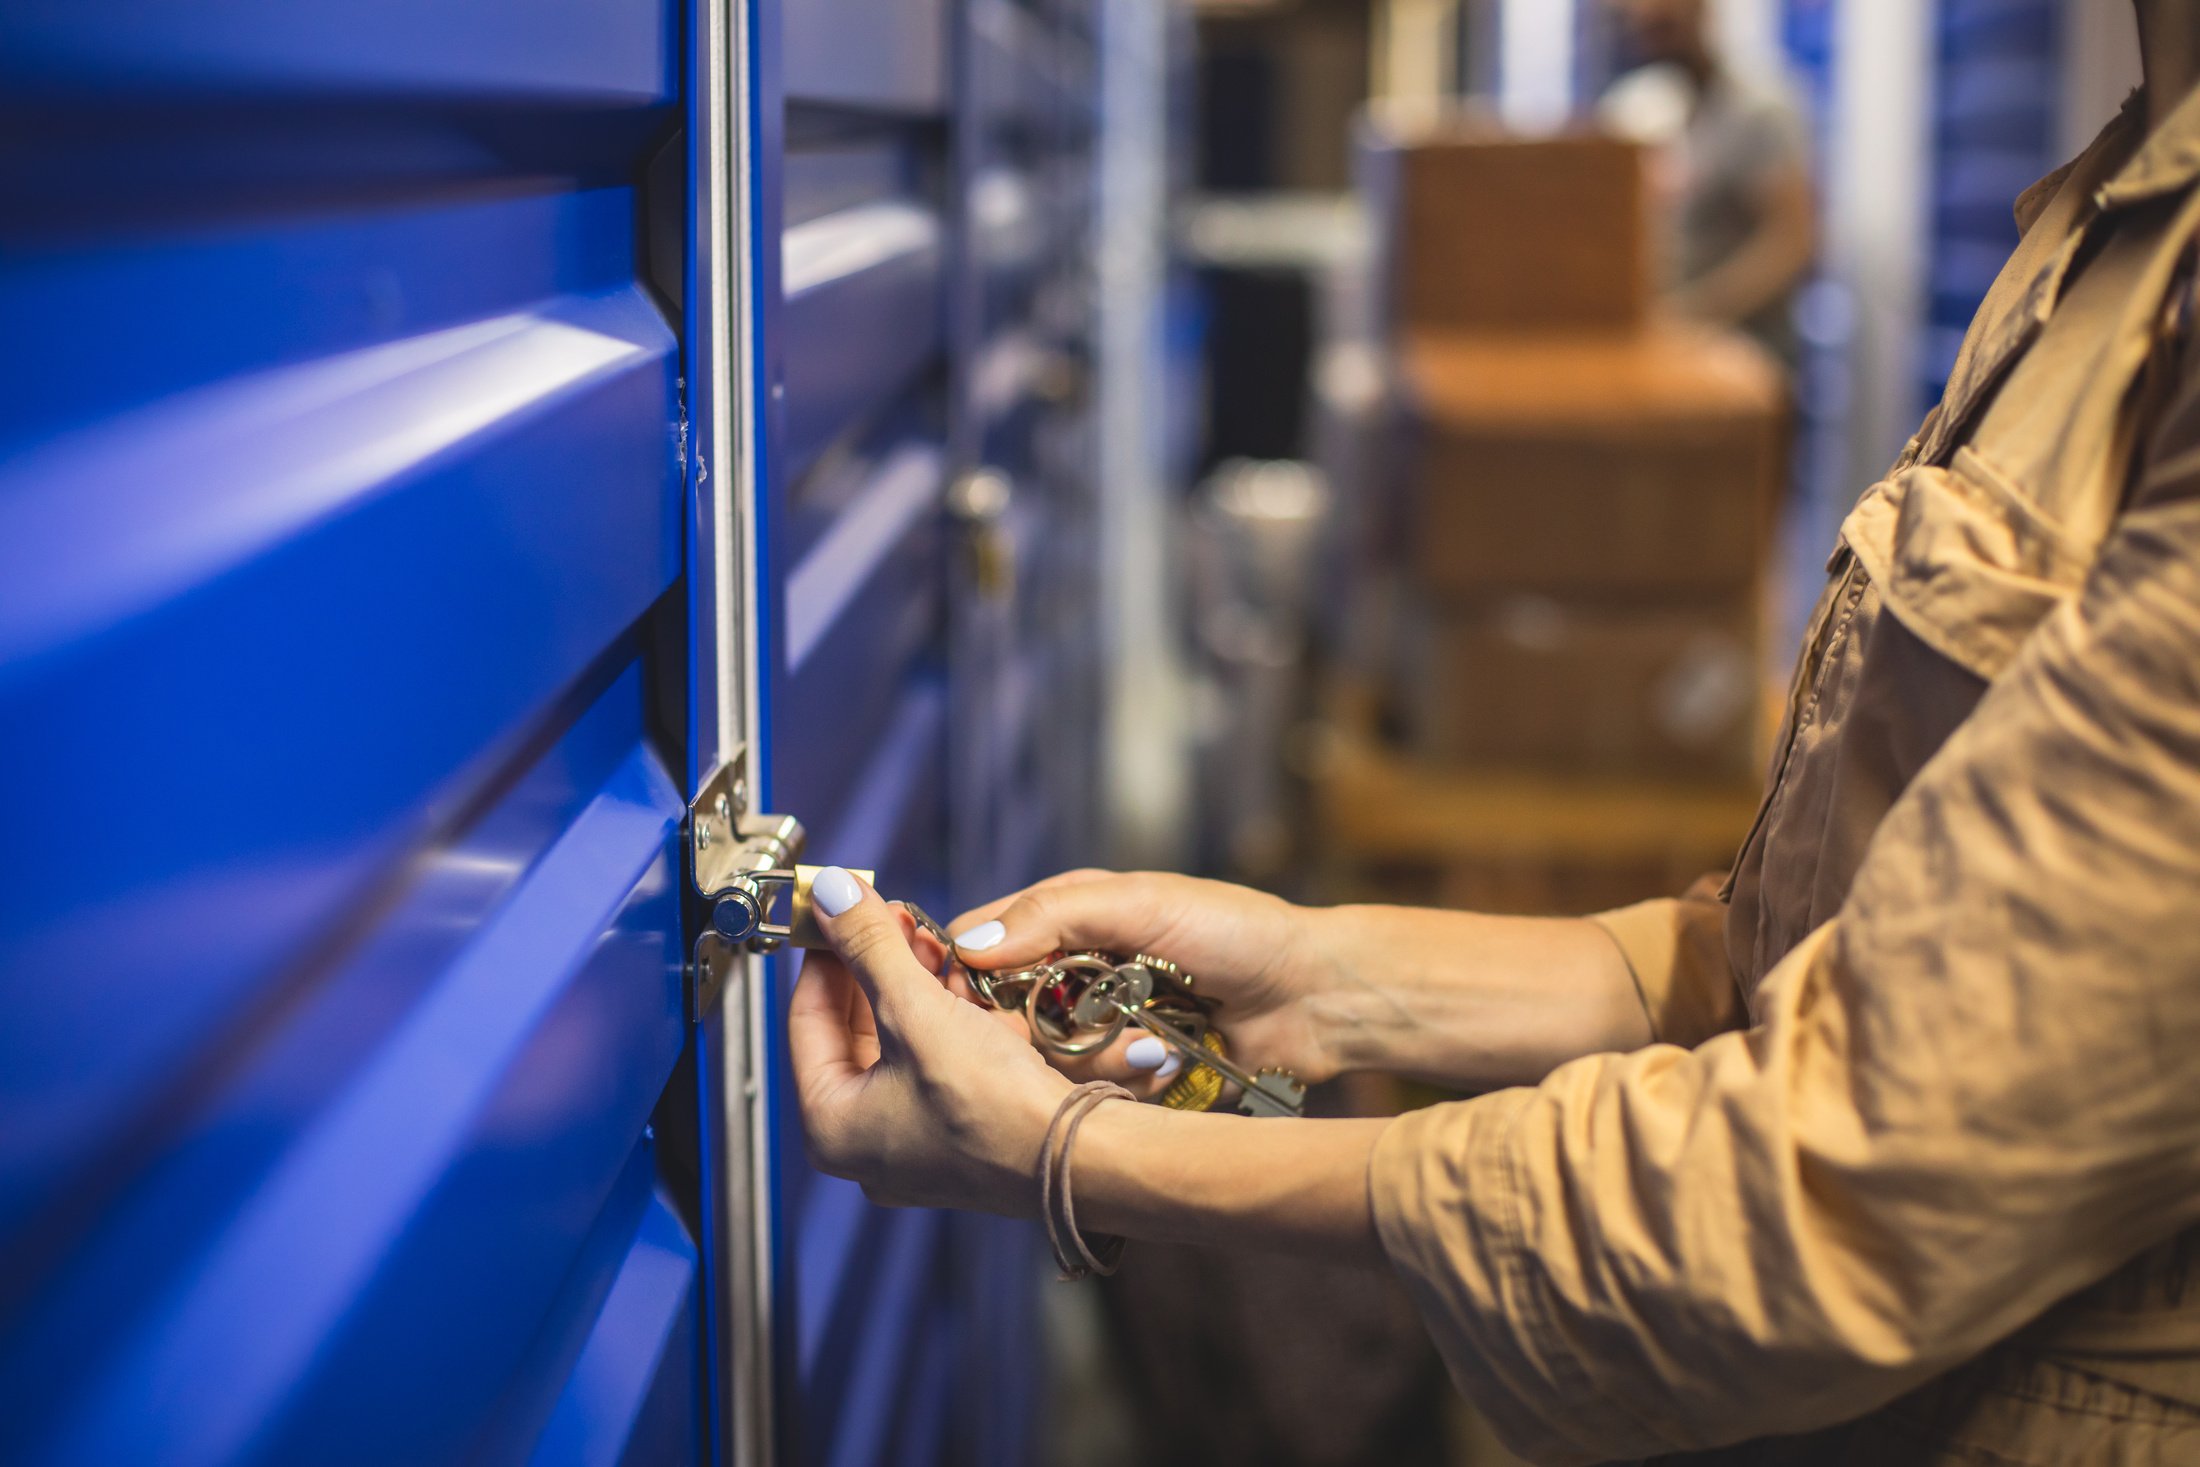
(802, 928)
(980, 500)
(743, 912)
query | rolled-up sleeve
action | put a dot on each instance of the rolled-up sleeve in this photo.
(1968, 1095)
(1675, 948)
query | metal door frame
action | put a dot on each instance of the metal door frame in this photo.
(725, 708)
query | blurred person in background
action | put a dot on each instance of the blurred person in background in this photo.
(1883, 1149)
(1730, 170)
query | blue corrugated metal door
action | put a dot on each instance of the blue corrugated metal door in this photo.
(340, 519)
(925, 561)
(856, 694)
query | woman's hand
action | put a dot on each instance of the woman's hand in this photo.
(924, 1099)
(1455, 997)
(1246, 949)
(929, 1101)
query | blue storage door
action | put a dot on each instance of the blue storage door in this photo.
(1026, 668)
(340, 954)
(1029, 650)
(852, 569)
(917, 332)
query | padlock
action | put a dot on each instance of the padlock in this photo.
(743, 910)
(980, 501)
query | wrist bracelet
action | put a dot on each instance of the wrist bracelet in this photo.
(1072, 1255)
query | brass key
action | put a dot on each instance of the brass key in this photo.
(1081, 1002)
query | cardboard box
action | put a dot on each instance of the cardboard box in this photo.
(1643, 468)
(1533, 683)
(1378, 809)
(1507, 234)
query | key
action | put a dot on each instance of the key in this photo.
(1269, 1093)
(1080, 1002)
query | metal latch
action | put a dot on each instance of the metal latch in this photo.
(738, 862)
(741, 864)
(742, 861)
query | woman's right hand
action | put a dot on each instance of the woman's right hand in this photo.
(1459, 998)
(1247, 950)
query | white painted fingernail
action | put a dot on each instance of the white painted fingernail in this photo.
(981, 937)
(835, 890)
(1145, 1053)
(1169, 1067)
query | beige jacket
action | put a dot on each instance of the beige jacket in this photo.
(1921, 1147)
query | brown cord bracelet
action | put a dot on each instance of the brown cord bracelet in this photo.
(1074, 1257)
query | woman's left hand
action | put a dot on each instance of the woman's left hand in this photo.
(924, 1099)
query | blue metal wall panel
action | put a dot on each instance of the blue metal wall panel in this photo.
(387, 534)
(862, 318)
(340, 954)
(914, 226)
(1997, 88)
(630, 1399)
(570, 51)
(884, 55)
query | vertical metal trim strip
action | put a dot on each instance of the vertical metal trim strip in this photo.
(733, 1070)
(753, 248)
(739, 1297)
(742, 555)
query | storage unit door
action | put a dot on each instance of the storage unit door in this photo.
(1027, 634)
(340, 515)
(880, 688)
(856, 716)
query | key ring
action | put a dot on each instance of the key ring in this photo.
(1076, 1003)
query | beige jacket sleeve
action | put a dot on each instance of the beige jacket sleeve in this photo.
(1968, 1095)
(1676, 949)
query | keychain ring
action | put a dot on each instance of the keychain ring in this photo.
(1050, 1007)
